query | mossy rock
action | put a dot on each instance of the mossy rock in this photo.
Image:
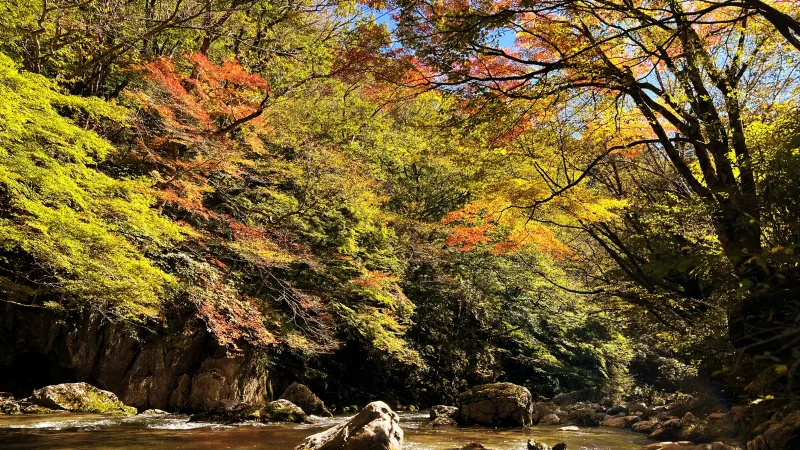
(303, 397)
(496, 405)
(283, 411)
(80, 397)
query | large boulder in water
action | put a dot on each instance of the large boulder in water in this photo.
(376, 427)
(496, 405)
(586, 416)
(283, 411)
(302, 396)
(79, 397)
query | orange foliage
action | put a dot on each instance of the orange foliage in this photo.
(195, 102)
(376, 279)
(467, 237)
(227, 315)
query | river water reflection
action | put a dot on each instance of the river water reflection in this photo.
(70, 431)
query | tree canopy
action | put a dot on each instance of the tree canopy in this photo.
(563, 194)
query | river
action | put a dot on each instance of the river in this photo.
(73, 431)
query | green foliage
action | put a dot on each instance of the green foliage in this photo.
(83, 236)
(285, 177)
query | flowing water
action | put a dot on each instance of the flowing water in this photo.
(73, 431)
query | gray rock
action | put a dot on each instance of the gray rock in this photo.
(376, 427)
(569, 428)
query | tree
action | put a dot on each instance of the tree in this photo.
(686, 72)
(71, 236)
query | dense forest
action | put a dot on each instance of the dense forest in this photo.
(404, 199)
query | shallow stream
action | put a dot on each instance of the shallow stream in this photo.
(73, 431)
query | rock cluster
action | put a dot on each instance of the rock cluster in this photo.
(506, 404)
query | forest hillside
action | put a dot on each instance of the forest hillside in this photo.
(401, 200)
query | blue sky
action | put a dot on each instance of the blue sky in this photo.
(384, 16)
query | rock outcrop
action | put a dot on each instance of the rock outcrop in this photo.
(79, 397)
(496, 405)
(376, 427)
(303, 397)
(185, 371)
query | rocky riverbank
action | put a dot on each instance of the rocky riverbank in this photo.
(680, 425)
(685, 424)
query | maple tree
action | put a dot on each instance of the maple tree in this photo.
(559, 193)
(685, 71)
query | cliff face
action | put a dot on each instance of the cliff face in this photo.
(186, 371)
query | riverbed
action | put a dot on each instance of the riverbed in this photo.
(74, 431)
